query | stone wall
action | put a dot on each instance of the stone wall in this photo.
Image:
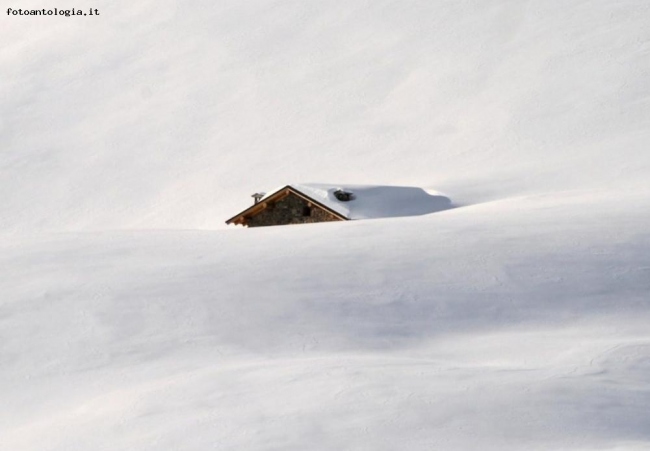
(290, 210)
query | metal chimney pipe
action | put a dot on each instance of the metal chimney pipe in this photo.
(257, 197)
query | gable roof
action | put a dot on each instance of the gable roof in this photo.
(308, 192)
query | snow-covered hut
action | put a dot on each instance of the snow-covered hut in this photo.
(316, 202)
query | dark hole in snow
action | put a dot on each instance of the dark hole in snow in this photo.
(343, 196)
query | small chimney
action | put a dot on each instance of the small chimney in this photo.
(257, 197)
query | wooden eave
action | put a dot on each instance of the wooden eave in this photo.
(280, 194)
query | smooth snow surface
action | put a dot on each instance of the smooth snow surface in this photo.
(131, 318)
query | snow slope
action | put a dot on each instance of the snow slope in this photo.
(472, 328)
(131, 318)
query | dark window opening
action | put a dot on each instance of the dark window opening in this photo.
(306, 211)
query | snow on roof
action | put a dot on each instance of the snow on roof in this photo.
(373, 201)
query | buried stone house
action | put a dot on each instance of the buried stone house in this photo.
(295, 204)
(316, 202)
